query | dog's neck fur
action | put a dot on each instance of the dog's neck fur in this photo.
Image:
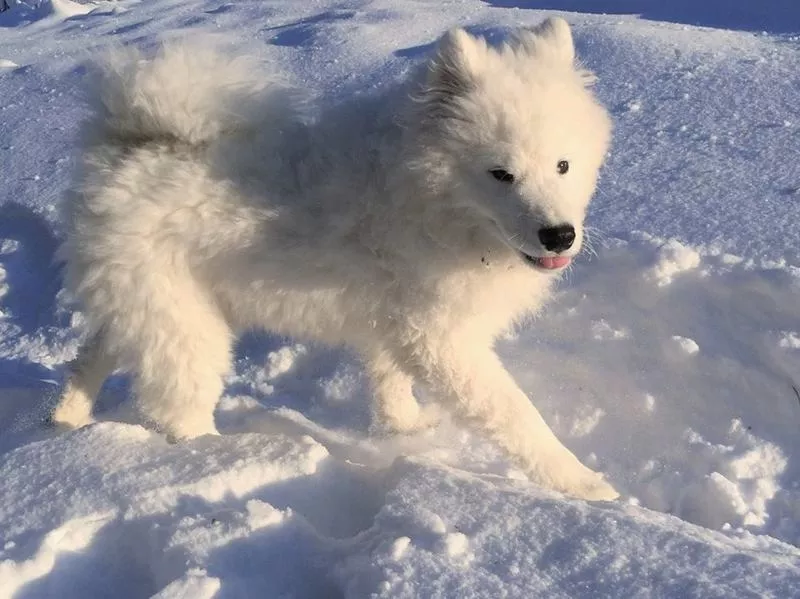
(381, 130)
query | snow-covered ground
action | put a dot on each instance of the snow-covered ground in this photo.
(670, 358)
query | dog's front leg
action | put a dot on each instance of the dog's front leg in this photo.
(478, 389)
(394, 408)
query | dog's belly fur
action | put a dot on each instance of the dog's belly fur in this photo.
(357, 312)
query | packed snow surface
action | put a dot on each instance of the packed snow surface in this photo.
(669, 358)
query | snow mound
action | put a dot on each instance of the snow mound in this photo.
(64, 9)
(674, 258)
(72, 536)
(729, 486)
(185, 521)
(789, 340)
(433, 538)
(42, 12)
(195, 584)
(110, 492)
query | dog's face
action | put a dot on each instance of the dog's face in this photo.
(521, 136)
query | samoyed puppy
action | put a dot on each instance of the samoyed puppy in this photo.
(414, 225)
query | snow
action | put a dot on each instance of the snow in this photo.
(195, 584)
(44, 11)
(64, 9)
(688, 345)
(790, 340)
(668, 358)
(673, 258)
(525, 543)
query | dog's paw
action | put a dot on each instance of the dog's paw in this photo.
(180, 437)
(430, 415)
(575, 479)
(594, 488)
(65, 421)
(73, 411)
(410, 421)
(177, 432)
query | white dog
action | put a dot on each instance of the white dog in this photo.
(413, 225)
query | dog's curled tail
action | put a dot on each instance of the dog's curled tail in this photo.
(188, 92)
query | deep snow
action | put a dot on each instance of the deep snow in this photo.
(670, 358)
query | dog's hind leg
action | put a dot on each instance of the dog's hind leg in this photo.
(169, 334)
(86, 375)
(178, 345)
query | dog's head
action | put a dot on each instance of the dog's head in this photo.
(517, 137)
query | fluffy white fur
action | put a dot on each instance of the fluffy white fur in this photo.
(210, 202)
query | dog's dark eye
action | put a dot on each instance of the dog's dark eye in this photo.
(502, 175)
(562, 167)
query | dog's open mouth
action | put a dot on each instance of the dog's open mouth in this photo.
(547, 262)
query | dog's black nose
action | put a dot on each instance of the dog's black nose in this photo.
(557, 239)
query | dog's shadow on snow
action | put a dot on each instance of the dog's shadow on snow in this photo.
(324, 384)
(271, 374)
(27, 254)
(30, 282)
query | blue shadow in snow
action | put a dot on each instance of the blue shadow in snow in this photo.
(494, 35)
(300, 33)
(300, 388)
(34, 277)
(30, 308)
(222, 9)
(773, 16)
(17, 16)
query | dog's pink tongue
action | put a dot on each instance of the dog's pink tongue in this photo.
(552, 262)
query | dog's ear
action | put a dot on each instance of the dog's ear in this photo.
(557, 32)
(552, 36)
(453, 69)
